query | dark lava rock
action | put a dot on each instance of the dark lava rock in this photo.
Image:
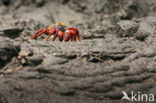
(12, 33)
(6, 2)
(7, 51)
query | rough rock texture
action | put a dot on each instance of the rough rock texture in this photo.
(117, 52)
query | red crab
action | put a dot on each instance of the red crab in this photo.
(59, 29)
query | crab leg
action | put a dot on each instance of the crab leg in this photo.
(68, 36)
(38, 33)
(41, 33)
(35, 35)
(51, 32)
(56, 34)
(71, 38)
(79, 38)
(61, 35)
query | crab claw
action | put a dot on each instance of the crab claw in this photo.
(38, 33)
(72, 33)
(68, 36)
(61, 35)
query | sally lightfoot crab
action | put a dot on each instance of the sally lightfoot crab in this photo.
(59, 30)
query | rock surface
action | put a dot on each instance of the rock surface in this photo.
(117, 52)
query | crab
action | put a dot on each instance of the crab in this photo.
(59, 30)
